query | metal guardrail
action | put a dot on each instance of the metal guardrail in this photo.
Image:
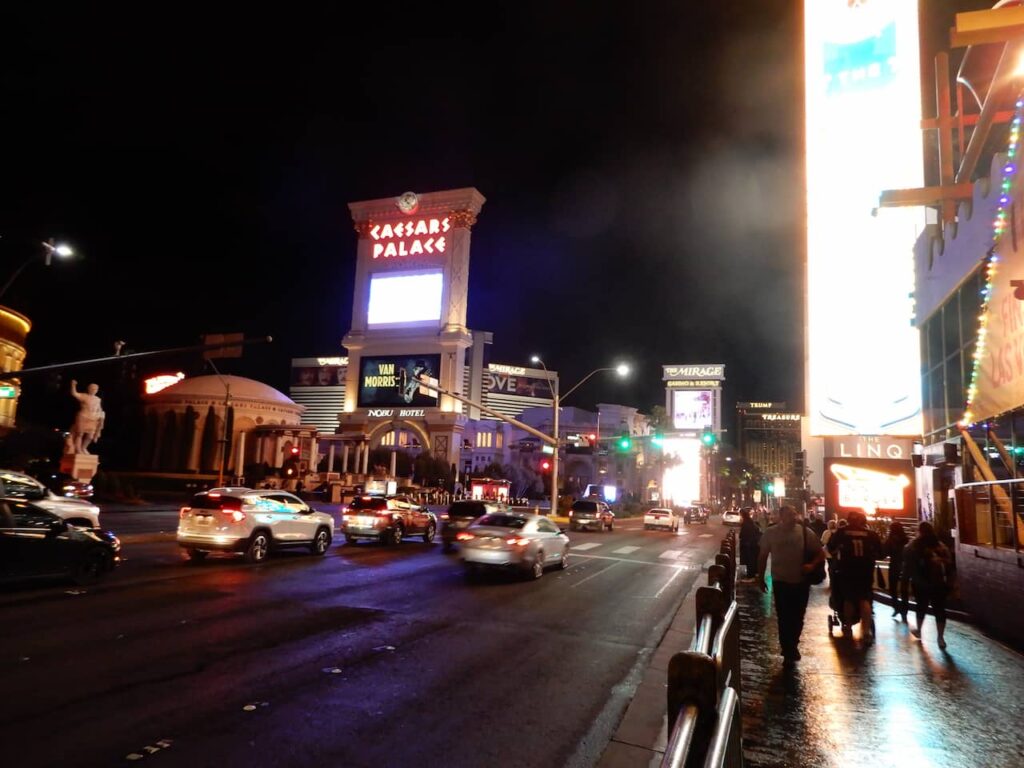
(705, 727)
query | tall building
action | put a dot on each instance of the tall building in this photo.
(769, 436)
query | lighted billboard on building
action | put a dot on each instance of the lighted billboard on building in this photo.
(692, 409)
(406, 298)
(680, 482)
(397, 381)
(863, 109)
(877, 487)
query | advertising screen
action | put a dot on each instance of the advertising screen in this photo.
(877, 487)
(692, 409)
(396, 381)
(319, 376)
(680, 482)
(863, 111)
(405, 298)
(509, 384)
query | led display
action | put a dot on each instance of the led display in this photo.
(874, 486)
(406, 298)
(692, 409)
(863, 109)
(680, 482)
(398, 381)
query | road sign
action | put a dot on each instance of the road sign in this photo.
(7, 392)
(547, 449)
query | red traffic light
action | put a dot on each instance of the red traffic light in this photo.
(295, 450)
(545, 465)
(591, 437)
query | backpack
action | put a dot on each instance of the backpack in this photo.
(817, 576)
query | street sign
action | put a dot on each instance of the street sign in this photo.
(7, 392)
(547, 448)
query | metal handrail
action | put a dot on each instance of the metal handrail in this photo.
(720, 741)
(723, 631)
(678, 748)
(702, 641)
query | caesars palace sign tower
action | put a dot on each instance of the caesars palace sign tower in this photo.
(409, 317)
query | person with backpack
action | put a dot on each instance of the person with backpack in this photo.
(796, 554)
(928, 565)
(857, 548)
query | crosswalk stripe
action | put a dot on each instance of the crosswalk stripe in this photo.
(585, 547)
(625, 550)
(670, 554)
(706, 535)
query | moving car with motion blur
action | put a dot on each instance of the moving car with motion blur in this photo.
(251, 522)
(661, 517)
(515, 541)
(695, 514)
(732, 517)
(460, 515)
(590, 513)
(387, 520)
(35, 543)
(74, 511)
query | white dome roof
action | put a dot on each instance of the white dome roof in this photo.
(214, 387)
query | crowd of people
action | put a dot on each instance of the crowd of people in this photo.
(800, 550)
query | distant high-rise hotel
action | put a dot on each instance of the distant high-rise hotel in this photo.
(769, 436)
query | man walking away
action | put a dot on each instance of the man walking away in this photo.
(795, 552)
(895, 543)
(857, 548)
(928, 564)
(750, 537)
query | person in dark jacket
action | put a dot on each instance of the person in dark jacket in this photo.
(894, 545)
(857, 548)
(928, 565)
(750, 540)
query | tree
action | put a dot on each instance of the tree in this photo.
(524, 480)
(659, 420)
(430, 470)
(495, 470)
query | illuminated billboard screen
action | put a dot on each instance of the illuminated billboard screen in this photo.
(405, 298)
(877, 487)
(863, 134)
(692, 409)
(680, 482)
(397, 381)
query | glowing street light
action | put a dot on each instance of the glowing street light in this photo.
(50, 248)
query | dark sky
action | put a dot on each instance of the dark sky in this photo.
(641, 164)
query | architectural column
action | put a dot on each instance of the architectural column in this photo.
(366, 459)
(275, 460)
(259, 448)
(330, 456)
(314, 455)
(394, 463)
(344, 458)
(240, 461)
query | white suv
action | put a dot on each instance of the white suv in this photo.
(77, 512)
(251, 522)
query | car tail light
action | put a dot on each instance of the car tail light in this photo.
(444, 516)
(236, 515)
(518, 541)
(464, 536)
(184, 511)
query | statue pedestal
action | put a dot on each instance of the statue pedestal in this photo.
(81, 466)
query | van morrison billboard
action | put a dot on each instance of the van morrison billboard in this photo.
(398, 381)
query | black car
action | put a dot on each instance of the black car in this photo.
(35, 543)
(459, 515)
(695, 514)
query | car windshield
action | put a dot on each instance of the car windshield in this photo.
(585, 506)
(366, 502)
(466, 509)
(20, 487)
(502, 521)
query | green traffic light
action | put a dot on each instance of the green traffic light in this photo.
(769, 488)
(658, 440)
(708, 438)
(625, 444)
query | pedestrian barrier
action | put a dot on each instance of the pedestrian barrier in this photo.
(704, 682)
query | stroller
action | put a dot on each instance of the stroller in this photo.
(843, 613)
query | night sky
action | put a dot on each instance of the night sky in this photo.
(641, 163)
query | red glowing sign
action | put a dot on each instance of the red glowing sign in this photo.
(156, 384)
(410, 238)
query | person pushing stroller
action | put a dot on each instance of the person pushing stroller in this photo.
(856, 548)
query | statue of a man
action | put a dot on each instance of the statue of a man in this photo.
(89, 420)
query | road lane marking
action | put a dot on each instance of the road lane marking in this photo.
(588, 578)
(625, 550)
(688, 566)
(665, 586)
(585, 547)
(706, 535)
(671, 554)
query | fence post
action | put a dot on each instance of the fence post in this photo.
(729, 582)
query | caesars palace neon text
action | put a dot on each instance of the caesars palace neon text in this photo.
(406, 238)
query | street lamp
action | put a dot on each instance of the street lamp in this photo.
(50, 249)
(556, 399)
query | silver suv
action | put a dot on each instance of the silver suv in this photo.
(591, 513)
(76, 512)
(387, 519)
(251, 522)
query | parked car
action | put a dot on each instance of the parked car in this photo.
(387, 519)
(695, 514)
(65, 485)
(460, 515)
(251, 522)
(35, 543)
(590, 513)
(661, 517)
(77, 512)
(513, 540)
(732, 517)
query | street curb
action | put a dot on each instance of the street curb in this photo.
(642, 735)
(146, 538)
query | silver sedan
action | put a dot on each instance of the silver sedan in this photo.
(511, 540)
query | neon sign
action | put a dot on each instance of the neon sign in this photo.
(156, 384)
(869, 489)
(410, 238)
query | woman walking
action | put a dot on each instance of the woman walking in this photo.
(750, 540)
(895, 543)
(927, 563)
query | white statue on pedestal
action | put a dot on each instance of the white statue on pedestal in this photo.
(88, 422)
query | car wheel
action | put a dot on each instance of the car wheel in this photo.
(537, 568)
(564, 562)
(196, 555)
(350, 539)
(396, 535)
(321, 542)
(91, 567)
(259, 547)
(428, 537)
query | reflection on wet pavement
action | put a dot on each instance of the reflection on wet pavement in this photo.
(901, 702)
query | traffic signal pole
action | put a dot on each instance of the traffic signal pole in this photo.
(554, 460)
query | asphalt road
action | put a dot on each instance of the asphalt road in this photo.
(370, 656)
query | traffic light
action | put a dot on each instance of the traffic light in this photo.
(657, 440)
(769, 488)
(545, 466)
(800, 464)
(625, 443)
(708, 438)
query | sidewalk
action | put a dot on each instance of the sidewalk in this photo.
(901, 702)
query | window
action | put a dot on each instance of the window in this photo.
(546, 526)
(20, 487)
(483, 439)
(28, 516)
(502, 521)
(499, 439)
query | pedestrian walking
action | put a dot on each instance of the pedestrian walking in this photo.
(750, 539)
(857, 548)
(928, 564)
(817, 525)
(831, 529)
(795, 552)
(895, 543)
